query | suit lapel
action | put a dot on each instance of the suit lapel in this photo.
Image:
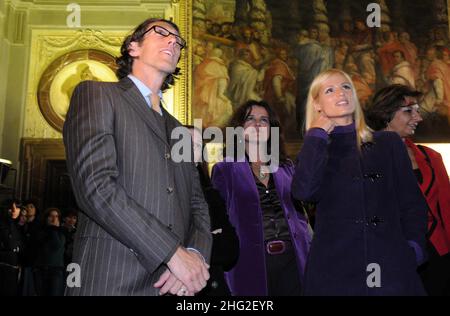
(137, 102)
(278, 184)
(170, 124)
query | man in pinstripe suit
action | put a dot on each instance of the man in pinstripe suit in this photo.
(145, 226)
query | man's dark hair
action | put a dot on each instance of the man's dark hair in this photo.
(385, 104)
(241, 114)
(125, 61)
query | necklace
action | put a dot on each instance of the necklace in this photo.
(260, 172)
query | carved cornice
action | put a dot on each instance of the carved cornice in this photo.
(84, 39)
(52, 44)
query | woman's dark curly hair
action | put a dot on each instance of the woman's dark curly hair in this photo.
(241, 114)
(125, 61)
(386, 102)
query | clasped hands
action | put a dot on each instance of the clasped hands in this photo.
(186, 275)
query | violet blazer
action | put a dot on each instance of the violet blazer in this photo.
(236, 184)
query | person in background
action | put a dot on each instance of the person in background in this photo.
(225, 247)
(396, 108)
(49, 266)
(273, 235)
(11, 248)
(69, 229)
(31, 230)
(32, 213)
(370, 225)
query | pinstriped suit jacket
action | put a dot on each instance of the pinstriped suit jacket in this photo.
(138, 205)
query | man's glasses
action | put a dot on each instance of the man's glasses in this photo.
(164, 32)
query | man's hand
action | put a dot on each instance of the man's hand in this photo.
(189, 268)
(168, 283)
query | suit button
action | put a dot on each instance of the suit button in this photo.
(214, 284)
(169, 190)
(170, 226)
(167, 156)
(133, 252)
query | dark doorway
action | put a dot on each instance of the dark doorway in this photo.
(58, 189)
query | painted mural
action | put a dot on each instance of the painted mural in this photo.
(272, 50)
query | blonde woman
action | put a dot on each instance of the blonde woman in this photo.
(371, 216)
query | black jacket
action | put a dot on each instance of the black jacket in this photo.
(51, 247)
(225, 248)
(11, 244)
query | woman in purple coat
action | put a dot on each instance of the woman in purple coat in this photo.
(274, 236)
(369, 234)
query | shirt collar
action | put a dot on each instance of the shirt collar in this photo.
(145, 91)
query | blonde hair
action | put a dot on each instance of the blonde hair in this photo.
(363, 132)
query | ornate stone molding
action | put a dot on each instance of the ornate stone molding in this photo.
(48, 45)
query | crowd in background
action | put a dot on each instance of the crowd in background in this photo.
(35, 248)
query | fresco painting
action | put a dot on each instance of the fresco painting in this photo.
(272, 50)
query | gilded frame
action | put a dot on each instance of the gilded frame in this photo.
(53, 109)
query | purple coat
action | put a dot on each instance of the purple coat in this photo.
(369, 211)
(236, 184)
